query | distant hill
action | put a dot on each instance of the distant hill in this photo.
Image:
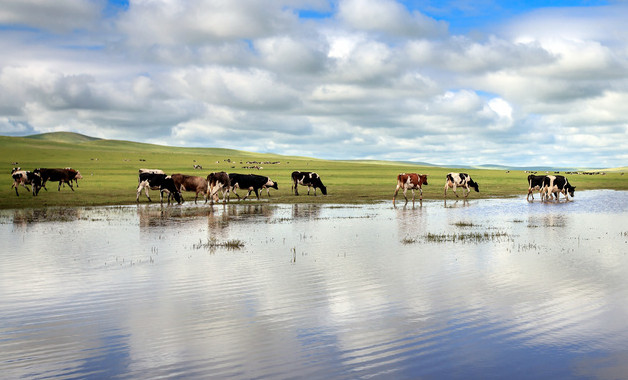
(64, 137)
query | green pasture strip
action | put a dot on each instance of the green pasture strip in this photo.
(110, 171)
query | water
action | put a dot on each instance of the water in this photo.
(479, 289)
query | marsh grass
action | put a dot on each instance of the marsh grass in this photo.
(470, 237)
(464, 224)
(213, 244)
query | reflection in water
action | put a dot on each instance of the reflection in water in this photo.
(320, 291)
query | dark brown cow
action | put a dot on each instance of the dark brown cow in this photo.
(60, 175)
(195, 184)
(412, 181)
(218, 182)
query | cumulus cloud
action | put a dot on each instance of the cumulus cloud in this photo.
(350, 79)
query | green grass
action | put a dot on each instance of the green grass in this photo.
(109, 168)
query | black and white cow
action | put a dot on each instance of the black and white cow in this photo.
(24, 178)
(250, 182)
(158, 181)
(309, 179)
(535, 182)
(455, 180)
(144, 184)
(556, 184)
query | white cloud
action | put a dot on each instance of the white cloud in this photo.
(372, 80)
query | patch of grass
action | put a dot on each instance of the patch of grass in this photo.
(408, 240)
(471, 237)
(213, 243)
(464, 224)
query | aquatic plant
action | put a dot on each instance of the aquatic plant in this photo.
(213, 243)
(472, 237)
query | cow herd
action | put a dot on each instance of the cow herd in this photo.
(38, 178)
(226, 183)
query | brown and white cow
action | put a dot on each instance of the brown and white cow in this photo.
(460, 180)
(218, 181)
(24, 178)
(412, 181)
(191, 183)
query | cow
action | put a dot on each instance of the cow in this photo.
(460, 180)
(410, 181)
(24, 178)
(535, 182)
(62, 175)
(143, 182)
(191, 183)
(158, 181)
(218, 182)
(556, 184)
(251, 182)
(309, 179)
(75, 175)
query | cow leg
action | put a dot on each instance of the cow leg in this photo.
(454, 189)
(412, 196)
(257, 192)
(466, 187)
(446, 187)
(70, 184)
(421, 193)
(14, 185)
(59, 188)
(395, 194)
(405, 190)
(308, 189)
(296, 191)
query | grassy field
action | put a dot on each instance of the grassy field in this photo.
(110, 170)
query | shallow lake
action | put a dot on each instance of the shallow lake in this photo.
(497, 288)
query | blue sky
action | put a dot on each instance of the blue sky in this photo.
(454, 82)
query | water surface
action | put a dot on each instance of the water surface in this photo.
(480, 289)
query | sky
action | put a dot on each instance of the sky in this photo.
(516, 83)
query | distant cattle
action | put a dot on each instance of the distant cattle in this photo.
(412, 181)
(63, 176)
(455, 180)
(25, 178)
(143, 183)
(557, 184)
(250, 182)
(218, 182)
(158, 181)
(309, 179)
(535, 182)
(191, 183)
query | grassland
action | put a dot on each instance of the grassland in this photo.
(110, 167)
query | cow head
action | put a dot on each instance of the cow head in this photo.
(570, 189)
(474, 185)
(274, 184)
(424, 177)
(15, 170)
(323, 188)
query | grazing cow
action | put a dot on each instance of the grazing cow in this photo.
(191, 183)
(218, 182)
(62, 175)
(161, 182)
(556, 184)
(24, 178)
(143, 182)
(535, 182)
(460, 180)
(251, 182)
(309, 179)
(410, 181)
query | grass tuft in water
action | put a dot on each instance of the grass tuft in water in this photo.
(471, 237)
(213, 243)
(408, 240)
(464, 224)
